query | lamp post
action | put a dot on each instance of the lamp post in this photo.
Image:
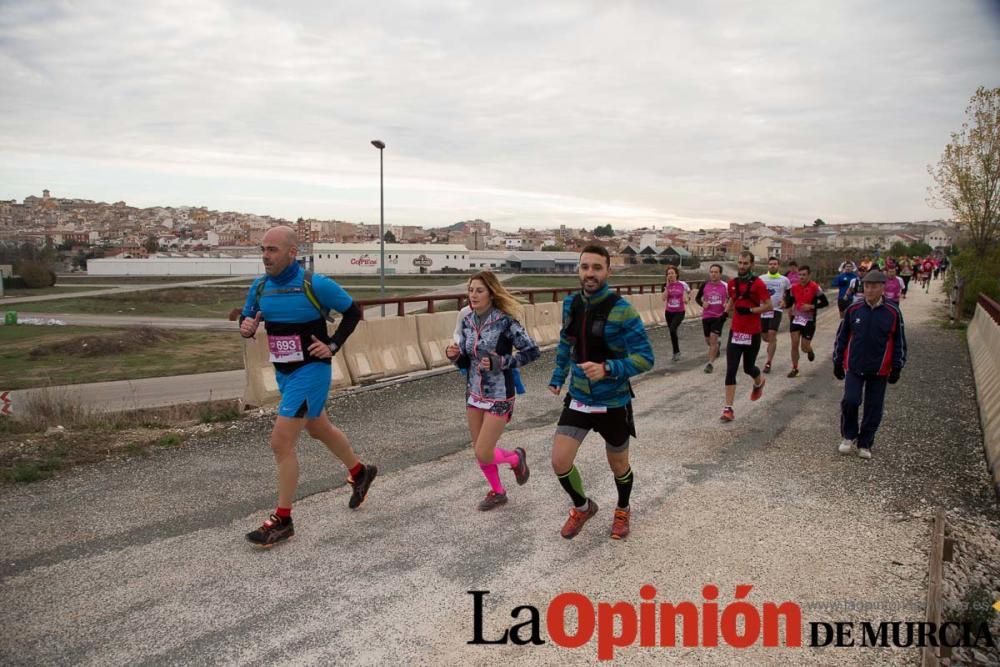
(380, 145)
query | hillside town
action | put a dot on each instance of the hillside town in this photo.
(84, 229)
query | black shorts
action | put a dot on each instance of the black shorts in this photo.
(713, 325)
(615, 426)
(770, 323)
(807, 330)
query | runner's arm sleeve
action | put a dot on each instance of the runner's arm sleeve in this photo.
(640, 352)
(333, 296)
(699, 298)
(348, 322)
(250, 306)
(561, 370)
(821, 301)
(526, 348)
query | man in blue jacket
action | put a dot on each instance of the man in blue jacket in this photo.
(870, 351)
(602, 344)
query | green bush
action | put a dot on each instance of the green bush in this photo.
(36, 275)
(981, 275)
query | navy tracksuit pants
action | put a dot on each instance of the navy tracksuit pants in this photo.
(858, 389)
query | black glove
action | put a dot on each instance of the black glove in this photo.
(743, 310)
(894, 376)
(838, 372)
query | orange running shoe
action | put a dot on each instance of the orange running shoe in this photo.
(758, 390)
(576, 520)
(619, 527)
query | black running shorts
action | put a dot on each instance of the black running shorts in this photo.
(615, 426)
(807, 330)
(770, 323)
(713, 325)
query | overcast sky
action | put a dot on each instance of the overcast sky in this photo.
(694, 114)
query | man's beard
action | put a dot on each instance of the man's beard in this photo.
(583, 285)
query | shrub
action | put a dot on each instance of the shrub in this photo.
(36, 275)
(980, 274)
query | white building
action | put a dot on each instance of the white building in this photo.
(363, 258)
(176, 266)
(938, 238)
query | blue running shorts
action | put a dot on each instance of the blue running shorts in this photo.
(304, 390)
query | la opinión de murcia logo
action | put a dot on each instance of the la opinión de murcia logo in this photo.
(738, 624)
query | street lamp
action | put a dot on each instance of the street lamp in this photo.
(380, 145)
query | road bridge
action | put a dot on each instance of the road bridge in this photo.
(143, 560)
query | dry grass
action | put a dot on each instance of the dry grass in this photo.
(99, 345)
(54, 431)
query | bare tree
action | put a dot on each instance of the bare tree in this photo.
(967, 178)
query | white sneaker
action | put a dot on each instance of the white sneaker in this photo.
(845, 446)
(864, 453)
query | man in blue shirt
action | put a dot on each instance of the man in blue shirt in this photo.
(294, 308)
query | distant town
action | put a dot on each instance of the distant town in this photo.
(83, 230)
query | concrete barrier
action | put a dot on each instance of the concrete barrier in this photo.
(656, 307)
(984, 350)
(692, 309)
(643, 306)
(434, 335)
(384, 348)
(546, 321)
(262, 386)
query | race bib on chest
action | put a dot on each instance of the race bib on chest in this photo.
(742, 338)
(285, 349)
(673, 302)
(801, 320)
(714, 300)
(589, 409)
(768, 315)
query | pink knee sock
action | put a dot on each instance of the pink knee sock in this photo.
(504, 456)
(492, 476)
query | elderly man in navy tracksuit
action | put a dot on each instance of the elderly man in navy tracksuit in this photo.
(870, 351)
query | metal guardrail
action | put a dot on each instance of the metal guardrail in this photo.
(991, 307)
(530, 292)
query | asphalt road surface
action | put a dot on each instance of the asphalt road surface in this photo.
(143, 561)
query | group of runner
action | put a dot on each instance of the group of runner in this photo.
(602, 345)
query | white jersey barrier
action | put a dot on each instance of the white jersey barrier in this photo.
(984, 349)
(546, 321)
(435, 332)
(384, 348)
